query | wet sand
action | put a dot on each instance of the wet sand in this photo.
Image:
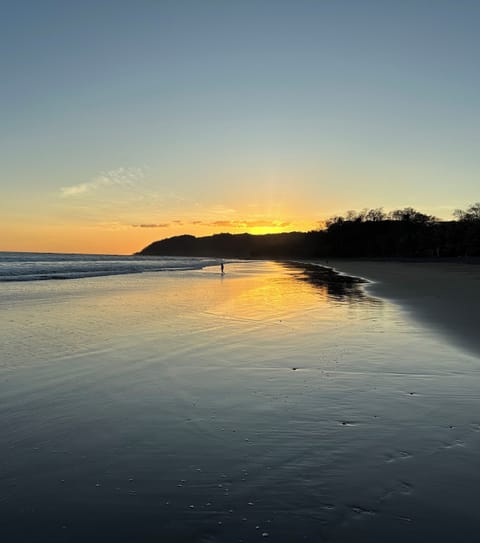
(191, 407)
(443, 295)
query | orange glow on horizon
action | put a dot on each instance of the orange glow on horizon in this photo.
(117, 238)
(259, 230)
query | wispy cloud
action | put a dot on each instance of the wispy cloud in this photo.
(152, 225)
(245, 223)
(220, 209)
(121, 177)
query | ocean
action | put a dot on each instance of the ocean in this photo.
(182, 405)
(44, 266)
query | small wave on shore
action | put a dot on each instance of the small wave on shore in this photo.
(45, 266)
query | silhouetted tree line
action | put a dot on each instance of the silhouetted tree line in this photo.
(405, 233)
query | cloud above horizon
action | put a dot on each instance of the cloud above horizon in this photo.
(152, 225)
(120, 177)
(245, 223)
(223, 223)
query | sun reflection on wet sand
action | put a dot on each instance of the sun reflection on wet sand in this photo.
(334, 286)
(188, 406)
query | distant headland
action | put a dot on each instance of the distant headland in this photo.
(403, 233)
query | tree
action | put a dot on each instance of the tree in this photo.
(471, 214)
(408, 214)
(375, 215)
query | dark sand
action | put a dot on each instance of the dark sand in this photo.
(445, 295)
(258, 406)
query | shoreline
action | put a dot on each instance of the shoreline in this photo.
(199, 405)
(443, 295)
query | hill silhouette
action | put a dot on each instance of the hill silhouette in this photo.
(404, 233)
(230, 245)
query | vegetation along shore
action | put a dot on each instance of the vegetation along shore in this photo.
(370, 233)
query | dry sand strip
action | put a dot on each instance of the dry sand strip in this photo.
(442, 294)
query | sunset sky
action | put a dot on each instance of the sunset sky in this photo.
(124, 122)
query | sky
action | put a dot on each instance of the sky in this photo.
(124, 122)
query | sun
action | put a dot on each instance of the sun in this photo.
(268, 229)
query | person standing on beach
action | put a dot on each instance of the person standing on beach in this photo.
(222, 266)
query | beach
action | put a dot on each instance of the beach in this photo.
(443, 295)
(187, 406)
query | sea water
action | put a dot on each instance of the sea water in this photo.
(42, 266)
(184, 405)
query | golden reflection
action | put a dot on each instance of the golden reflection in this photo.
(270, 291)
(263, 293)
(338, 287)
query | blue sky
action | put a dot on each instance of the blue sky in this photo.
(206, 116)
